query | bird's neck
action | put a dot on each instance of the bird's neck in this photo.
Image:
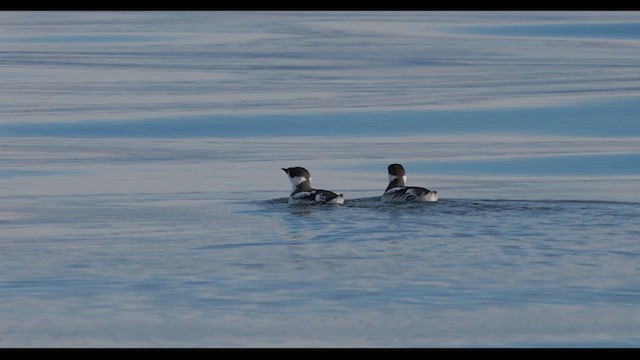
(300, 183)
(396, 181)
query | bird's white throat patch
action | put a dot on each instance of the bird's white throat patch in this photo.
(297, 180)
(393, 177)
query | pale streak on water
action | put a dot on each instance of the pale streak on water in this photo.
(143, 205)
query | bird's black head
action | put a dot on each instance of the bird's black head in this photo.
(299, 177)
(396, 170)
(297, 172)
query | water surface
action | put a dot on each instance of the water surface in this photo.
(142, 202)
(622, 30)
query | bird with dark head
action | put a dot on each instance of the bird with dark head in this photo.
(303, 193)
(397, 191)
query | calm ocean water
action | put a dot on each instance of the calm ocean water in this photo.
(142, 202)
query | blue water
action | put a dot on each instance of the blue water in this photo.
(621, 164)
(600, 118)
(629, 30)
(79, 39)
(142, 201)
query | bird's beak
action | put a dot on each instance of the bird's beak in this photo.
(285, 170)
